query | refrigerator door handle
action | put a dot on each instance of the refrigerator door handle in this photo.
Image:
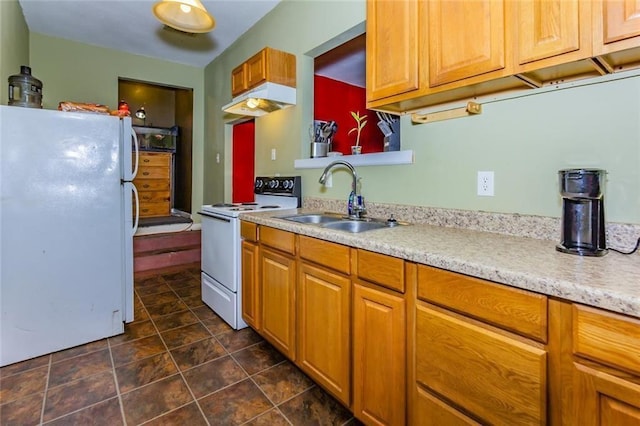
(137, 154)
(137, 217)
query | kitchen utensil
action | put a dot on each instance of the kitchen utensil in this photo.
(385, 128)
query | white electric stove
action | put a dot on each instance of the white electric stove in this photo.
(221, 266)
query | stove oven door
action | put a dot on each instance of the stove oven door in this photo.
(221, 249)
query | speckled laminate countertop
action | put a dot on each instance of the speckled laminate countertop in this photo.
(610, 282)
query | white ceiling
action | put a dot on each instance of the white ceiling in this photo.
(129, 26)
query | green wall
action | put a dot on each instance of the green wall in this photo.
(14, 44)
(72, 71)
(525, 141)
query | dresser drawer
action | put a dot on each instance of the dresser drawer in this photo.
(153, 173)
(607, 337)
(278, 239)
(381, 269)
(155, 209)
(249, 231)
(154, 196)
(330, 255)
(154, 159)
(516, 310)
(152, 185)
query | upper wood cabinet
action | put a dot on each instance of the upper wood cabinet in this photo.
(466, 39)
(267, 65)
(550, 32)
(392, 48)
(616, 33)
(463, 49)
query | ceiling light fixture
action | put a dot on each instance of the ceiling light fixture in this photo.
(184, 15)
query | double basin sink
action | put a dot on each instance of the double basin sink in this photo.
(342, 223)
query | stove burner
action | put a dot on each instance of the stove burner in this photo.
(223, 205)
(242, 208)
(249, 204)
(270, 207)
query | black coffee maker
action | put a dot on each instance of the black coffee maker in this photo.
(582, 227)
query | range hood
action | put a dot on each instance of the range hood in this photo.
(261, 100)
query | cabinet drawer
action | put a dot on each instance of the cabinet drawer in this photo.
(331, 255)
(155, 159)
(155, 209)
(154, 173)
(606, 337)
(517, 310)
(430, 411)
(154, 196)
(249, 231)
(498, 378)
(378, 268)
(276, 238)
(152, 185)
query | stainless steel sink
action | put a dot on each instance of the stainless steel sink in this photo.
(341, 223)
(315, 218)
(355, 226)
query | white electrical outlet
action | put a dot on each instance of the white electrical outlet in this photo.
(485, 184)
(273, 154)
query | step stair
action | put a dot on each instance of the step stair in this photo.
(162, 251)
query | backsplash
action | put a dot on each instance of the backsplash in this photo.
(619, 235)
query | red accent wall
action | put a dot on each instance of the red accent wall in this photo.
(243, 162)
(333, 100)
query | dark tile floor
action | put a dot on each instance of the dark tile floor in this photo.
(178, 363)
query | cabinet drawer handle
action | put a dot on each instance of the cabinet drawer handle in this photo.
(145, 173)
(145, 185)
(146, 160)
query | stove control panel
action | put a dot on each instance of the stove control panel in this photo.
(279, 185)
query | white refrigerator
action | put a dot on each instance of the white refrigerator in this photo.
(66, 229)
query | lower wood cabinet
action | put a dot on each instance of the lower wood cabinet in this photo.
(497, 377)
(371, 328)
(324, 329)
(379, 355)
(606, 368)
(475, 356)
(251, 299)
(277, 288)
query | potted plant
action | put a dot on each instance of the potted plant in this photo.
(360, 123)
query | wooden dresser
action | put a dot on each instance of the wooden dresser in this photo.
(153, 182)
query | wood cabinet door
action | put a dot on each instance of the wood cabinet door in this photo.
(604, 399)
(324, 329)
(250, 288)
(616, 25)
(277, 289)
(379, 356)
(257, 68)
(466, 39)
(498, 378)
(392, 48)
(551, 28)
(239, 80)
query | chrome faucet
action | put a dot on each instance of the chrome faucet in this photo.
(356, 205)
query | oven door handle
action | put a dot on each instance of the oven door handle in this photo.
(222, 219)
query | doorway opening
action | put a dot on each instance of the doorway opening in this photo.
(340, 89)
(166, 195)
